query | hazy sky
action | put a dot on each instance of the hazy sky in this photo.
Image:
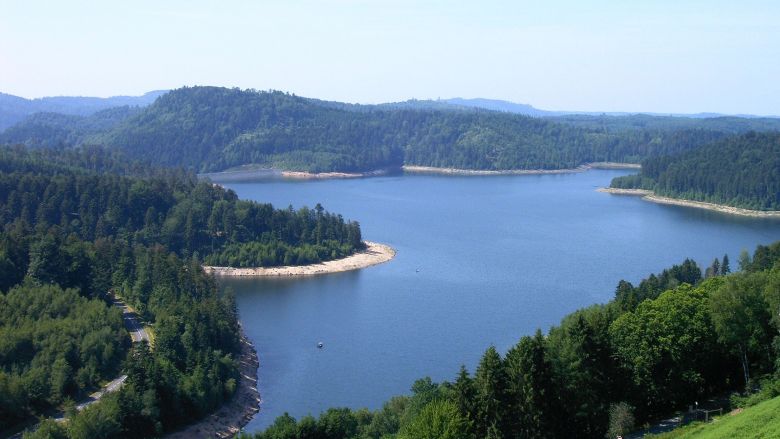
(628, 55)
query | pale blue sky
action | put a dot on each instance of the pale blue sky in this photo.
(631, 55)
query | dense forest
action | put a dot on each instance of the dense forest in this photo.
(741, 171)
(188, 216)
(57, 129)
(212, 129)
(80, 223)
(724, 124)
(677, 337)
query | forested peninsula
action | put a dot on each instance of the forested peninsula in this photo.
(741, 171)
(84, 226)
(677, 337)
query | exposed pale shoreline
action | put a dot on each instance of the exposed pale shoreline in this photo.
(232, 416)
(650, 196)
(250, 173)
(455, 171)
(375, 253)
(302, 175)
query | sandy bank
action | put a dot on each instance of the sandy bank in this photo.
(229, 419)
(455, 171)
(614, 165)
(650, 196)
(300, 175)
(413, 169)
(374, 254)
(620, 191)
(250, 173)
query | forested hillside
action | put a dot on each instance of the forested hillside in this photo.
(741, 171)
(56, 129)
(676, 338)
(724, 124)
(212, 129)
(79, 223)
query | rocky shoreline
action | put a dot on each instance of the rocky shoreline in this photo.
(232, 416)
(650, 196)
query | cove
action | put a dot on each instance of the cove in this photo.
(481, 261)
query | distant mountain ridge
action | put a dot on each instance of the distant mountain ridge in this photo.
(212, 129)
(529, 110)
(14, 109)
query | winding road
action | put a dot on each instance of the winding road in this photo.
(138, 333)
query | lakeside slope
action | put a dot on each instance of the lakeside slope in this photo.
(651, 196)
(231, 417)
(375, 253)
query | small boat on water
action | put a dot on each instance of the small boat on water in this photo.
(320, 345)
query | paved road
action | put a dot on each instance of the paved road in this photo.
(137, 333)
(132, 323)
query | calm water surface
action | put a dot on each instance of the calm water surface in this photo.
(481, 261)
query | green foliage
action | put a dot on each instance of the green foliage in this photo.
(760, 421)
(437, 420)
(741, 317)
(530, 388)
(212, 129)
(669, 347)
(582, 357)
(621, 420)
(627, 297)
(77, 224)
(54, 345)
(168, 208)
(48, 429)
(741, 171)
(656, 122)
(490, 382)
(769, 387)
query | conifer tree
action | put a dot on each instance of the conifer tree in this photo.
(489, 387)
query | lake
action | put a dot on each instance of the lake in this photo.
(481, 261)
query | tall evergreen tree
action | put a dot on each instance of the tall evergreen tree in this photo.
(530, 392)
(465, 398)
(490, 395)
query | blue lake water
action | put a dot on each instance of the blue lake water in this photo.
(481, 261)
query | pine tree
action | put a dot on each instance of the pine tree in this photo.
(530, 390)
(464, 397)
(489, 387)
(724, 266)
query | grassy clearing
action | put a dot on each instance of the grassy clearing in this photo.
(759, 421)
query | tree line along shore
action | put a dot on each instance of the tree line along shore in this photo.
(679, 336)
(80, 222)
(373, 254)
(648, 195)
(723, 160)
